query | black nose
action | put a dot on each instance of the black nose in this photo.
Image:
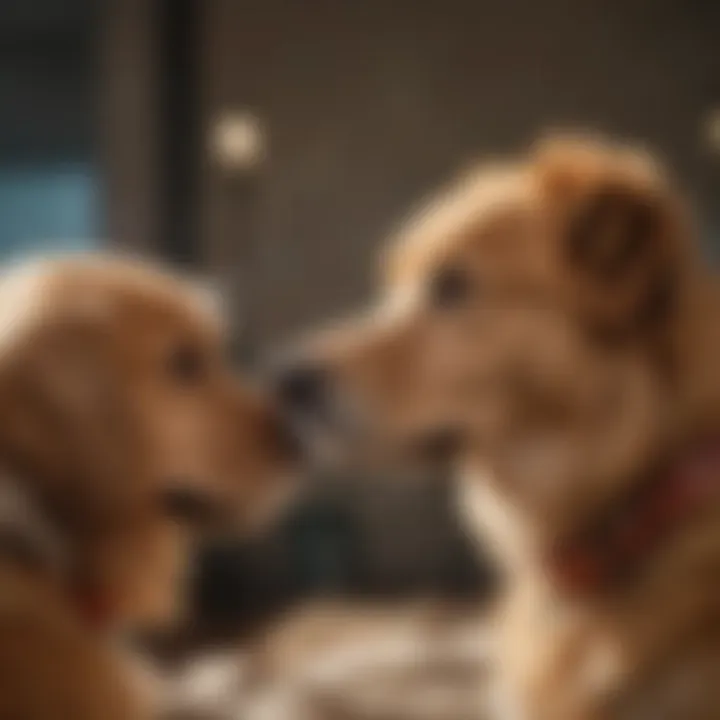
(302, 387)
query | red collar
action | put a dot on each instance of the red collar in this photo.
(615, 547)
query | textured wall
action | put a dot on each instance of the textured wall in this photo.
(369, 105)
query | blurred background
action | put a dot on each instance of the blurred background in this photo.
(272, 144)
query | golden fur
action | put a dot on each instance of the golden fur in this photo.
(115, 401)
(553, 313)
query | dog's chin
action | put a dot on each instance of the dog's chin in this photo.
(220, 517)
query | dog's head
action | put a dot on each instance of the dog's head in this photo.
(527, 317)
(122, 420)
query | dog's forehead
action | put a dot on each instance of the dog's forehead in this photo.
(110, 292)
(167, 302)
(446, 226)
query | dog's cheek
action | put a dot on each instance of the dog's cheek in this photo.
(182, 443)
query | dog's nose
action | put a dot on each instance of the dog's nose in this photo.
(302, 386)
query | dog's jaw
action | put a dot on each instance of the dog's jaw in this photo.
(492, 522)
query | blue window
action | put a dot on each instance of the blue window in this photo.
(48, 175)
(47, 208)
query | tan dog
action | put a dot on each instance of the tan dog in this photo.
(120, 425)
(550, 316)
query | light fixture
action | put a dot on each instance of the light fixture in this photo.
(237, 142)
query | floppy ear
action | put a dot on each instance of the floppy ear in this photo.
(622, 241)
(610, 230)
(60, 423)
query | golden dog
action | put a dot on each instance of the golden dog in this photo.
(549, 323)
(120, 425)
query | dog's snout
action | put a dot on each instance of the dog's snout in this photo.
(301, 386)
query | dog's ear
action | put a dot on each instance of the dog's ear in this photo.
(621, 239)
(59, 419)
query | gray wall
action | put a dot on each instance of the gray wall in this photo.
(368, 105)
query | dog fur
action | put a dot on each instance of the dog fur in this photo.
(554, 314)
(119, 420)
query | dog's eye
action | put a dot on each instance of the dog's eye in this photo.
(186, 364)
(449, 287)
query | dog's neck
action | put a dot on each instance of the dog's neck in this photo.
(620, 541)
(673, 488)
(30, 539)
(637, 542)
